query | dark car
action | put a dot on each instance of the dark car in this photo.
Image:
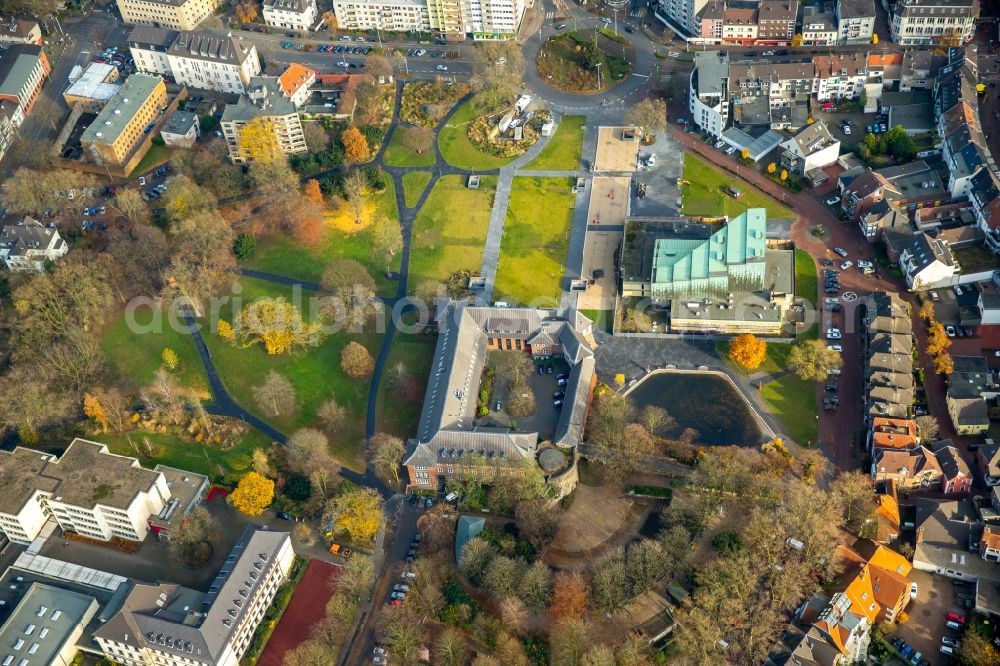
(429, 502)
(828, 262)
(549, 369)
(413, 500)
(629, 29)
(562, 375)
(541, 369)
(284, 515)
(832, 388)
(558, 395)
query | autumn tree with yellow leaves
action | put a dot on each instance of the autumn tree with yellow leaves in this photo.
(93, 409)
(259, 143)
(277, 324)
(748, 351)
(355, 145)
(253, 494)
(356, 511)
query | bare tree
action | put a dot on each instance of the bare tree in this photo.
(387, 454)
(928, 427)
(191, 531)
(132, 205)
(276, 396)
(386, 239)
(656, 420)
(355, 188)
(332, 415)
(417, 139)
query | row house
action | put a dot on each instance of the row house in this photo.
(771, 22)
(933, 22)
(855, 21)
(911, 469)
(840, 76)
(888, 433)
(780, 83)
(956, 477)
(776, 20)
(919, 69)
(970, 384)
(819, 29)
(888, 371)
(195, 59)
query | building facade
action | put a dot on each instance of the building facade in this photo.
(293, 14)
(195, 59)
(776, 21)
(173, 14)
(923, 22)
(681, 14)
(23, 70)
(19, 31)
(708, 99)
(264, 100)
(126, 120)
(87, 490)
(170, 625)
(390, 15)
(855, 21)
(450, 19)
(181, 129)
(29, 246)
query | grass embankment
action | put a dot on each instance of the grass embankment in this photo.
(705, 195)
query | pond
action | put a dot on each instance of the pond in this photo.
(708, 403)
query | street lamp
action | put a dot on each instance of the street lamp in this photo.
(598, 76)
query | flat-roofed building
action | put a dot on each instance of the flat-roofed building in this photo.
(855, 21)
(170, 625)
(87, 490)
(944, 22)
(94, 89)
(181, 129)
(265, 100)
(391, 15)
(175, 14)
(45, 626)
(126, 120)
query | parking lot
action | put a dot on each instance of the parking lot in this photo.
(936, 597)
(545, 386)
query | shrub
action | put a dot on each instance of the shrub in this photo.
(244, 246)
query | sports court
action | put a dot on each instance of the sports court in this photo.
(615, 153)
(307, 607)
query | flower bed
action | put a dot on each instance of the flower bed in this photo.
(479, 131)
(116, 543)
(426, 103)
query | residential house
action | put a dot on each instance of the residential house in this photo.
(984, 193)
(195, 59)
(818, 29)
(887, 433)
(841, 76)
(950, 217)
(29, 246)
(776, 21)
(296, 82)
(863, 192)
(739, 25)
(948, 539)
(165, 624)
(933, 22)
(889, 573)
(19, 31)
(181, 129)
(843, 618)
(927, 262)
(680, 16)
(708, 98)
(989, 544)
(711, 18)
(855, 21)
(60, 617)
(913, 469)
(263, 100)
(812, 147)
(919, 69)
(482, 19)
(956, 477)
(964, 148)
(775, 94)
(94, 89)
(23, 70)
(173, 14)
(884, 216)
(449, 443)
(293, 14)
(120, 129)
(886, 68)
(887, 520)
(970, 416)
(988, 462)
(390, 15)
(969, 384)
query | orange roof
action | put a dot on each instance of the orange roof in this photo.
(862, 595)
(890, 560)
(884, 59)
(887, 513)
(889, 586)
(295, 77)
(991, 538)
(894, 433)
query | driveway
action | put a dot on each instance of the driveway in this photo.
(935, 598)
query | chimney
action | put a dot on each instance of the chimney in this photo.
(920, 534)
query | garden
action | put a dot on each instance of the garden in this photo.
(450, 230)
(584, 61)
(457, 147)
(533, 251)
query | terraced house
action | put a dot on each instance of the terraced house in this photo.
(195, 59)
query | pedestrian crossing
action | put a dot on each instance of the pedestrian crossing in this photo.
(549, 16)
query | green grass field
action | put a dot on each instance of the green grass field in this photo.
(156, 156)
(456, 148)
(286, 256)
(315, 372)
(450, 229)
(414, 184)
(563, 151)
(533, 250)
(806, 282)
(705, 193)
(401, 417)
(398, 155)
(135, 356)
(793, 402)
(603, 319)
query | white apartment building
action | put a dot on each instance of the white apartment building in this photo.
(174, 14)
(294, 14)
(26, 247)
(390, 15)
(170, 625)
(88, 490)
(946, 22)
(855, 21)
(266, 100)
(840, 76)
(819, 29)
(493, 19)
(708, 100)
(681, 14)
(195, 59)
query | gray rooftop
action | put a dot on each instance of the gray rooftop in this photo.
(17, 63)
(18, 239)
(179, 122)
(45, 619)
(264, 97)
(150, 38)
(712, 70)
(191, 624)
(297, 6)
(209, 47)
(115, 117)
(813, 138)
(856, 8)
(85, 475)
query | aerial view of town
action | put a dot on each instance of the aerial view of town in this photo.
(499, 332)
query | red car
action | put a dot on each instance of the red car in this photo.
(399, 602)
(955, 617)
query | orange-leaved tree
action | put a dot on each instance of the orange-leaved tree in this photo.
(748, 351)
(253, 494)
(355, 145)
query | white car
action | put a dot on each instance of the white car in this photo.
(142, 182)
(950, 331)
(502, 61)
(833, 334)
(847, 264)
(380, 651)
(847, 129)
(408, 574)
(768, 53)
(673, 54)
(836, 348)
(913, 590)
(442, 68)
(730, 150)
(831, 301)
(343, 63)
(832, 201)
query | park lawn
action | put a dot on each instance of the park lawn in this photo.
(394, 415)
(776, 360)
(564, 149)
(457, 150)
(284, 255)
(450, 230)
(135, 356)
(533, 250)
(398, 155)
(315, 372)
(793, 402)
(806, 282)
(705, 193)
(186, 454)
(414, 184)
(603, 319)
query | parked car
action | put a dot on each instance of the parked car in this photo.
(397, 595)
(913, 590)
(409, 575)
(832, 201)
(401, 587)
(142, 181)
(378, 660)
(286, 45)
(956, 617)
(284, 515)
(847, 264)
(836, 348)
(399, 602)
(558, 394)
(841, 251)
(951, 642)
(557, 403)
(950, 330)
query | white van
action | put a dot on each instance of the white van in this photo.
(951, 624)
(451, 497)
(947, 650)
